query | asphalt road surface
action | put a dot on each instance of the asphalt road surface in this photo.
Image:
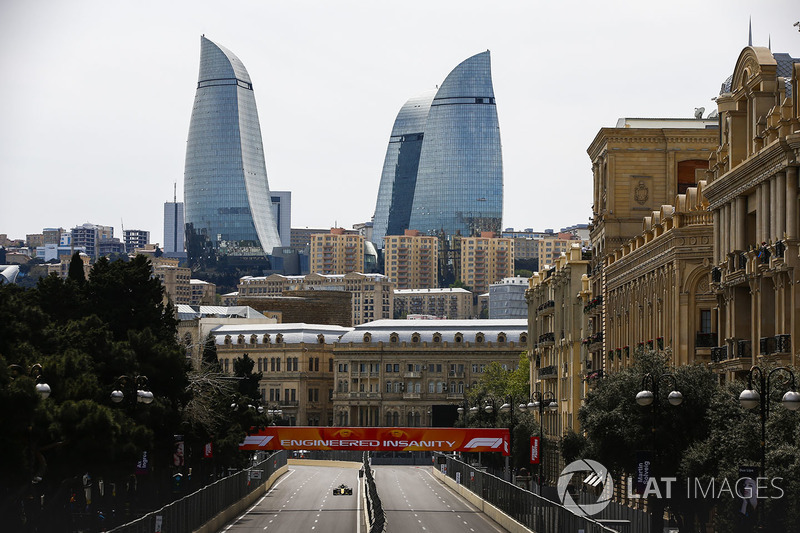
(415, 501)
(302, 500)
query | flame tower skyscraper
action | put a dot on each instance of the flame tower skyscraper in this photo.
(227, 199)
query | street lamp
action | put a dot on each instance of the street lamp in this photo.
(750, 398)
(540, 401)
(137, 384)
(649, 396)
(41, 388)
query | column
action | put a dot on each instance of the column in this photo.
(717, 241)
(780, 204)
(773, 215)
(791, 204)
(759, 216)
(741, 223)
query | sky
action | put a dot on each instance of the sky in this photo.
(96, 96)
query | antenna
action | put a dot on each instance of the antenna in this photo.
(750, 33)
(175, 193)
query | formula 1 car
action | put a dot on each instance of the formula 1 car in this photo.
(343, 490)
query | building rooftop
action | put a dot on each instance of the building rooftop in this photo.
(382, 330)
(293, 333)
(190, 312)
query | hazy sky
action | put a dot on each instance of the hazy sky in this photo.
(96, 96)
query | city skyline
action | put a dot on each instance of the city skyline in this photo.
(96, 112)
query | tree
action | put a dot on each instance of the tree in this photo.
(86, 335)
(498, 385)
(76, 269)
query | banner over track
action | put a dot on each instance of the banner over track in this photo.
(379, 439)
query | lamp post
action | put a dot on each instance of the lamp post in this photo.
(760, 396)
(137, 386)
(540, 401)
(35, 371)
(649, 395)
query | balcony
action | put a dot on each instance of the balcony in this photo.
(454, 374)
(365, 395)
(547, 339)
(546, 308)
(705, 340)
(776, 344)
(719, 353)
(455, 395)
(412, 395)
(412, 375)
(743, 348)
(548, 372)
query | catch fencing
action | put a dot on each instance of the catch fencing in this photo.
(192, 511)
(529, 509)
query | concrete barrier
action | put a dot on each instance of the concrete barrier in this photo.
(235, 510)
(315, 462)
(487, 508)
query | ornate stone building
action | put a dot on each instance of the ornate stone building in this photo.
(416, 372)
(296, 362)
(753, 194)
(556, 299)
(638, 166)
(657, 286)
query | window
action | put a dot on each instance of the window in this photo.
(388, 367)
(705, 321)
(330, 365)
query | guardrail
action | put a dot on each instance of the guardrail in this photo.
(377, 518)
(193, 511)
(529, 509)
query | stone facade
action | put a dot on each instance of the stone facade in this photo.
(453, 303)
(638, 167)
(296, 362)
(556, 300)
(416, 372)
(657, 287)
(753, 195)
(372, 295)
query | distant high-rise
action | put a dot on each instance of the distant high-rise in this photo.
(443, 170)
(227, 198)
(173, 227)
(282, 209)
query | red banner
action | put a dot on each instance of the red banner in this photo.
(379, 439)
(535, 450)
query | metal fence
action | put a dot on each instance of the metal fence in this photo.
(531, 510)
(192, 511)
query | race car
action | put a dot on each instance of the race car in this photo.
(343, 490)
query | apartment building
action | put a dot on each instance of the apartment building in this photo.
(453, 303)
(411, 260)
(336, 252)
(485, 260)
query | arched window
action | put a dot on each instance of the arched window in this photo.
(240, 339)
(479, 338)
(415, 338)
(367, 337)
(431, 386)
(452, 386)
(394, 338)
(523, 338)
(388, 386)
(501, 337)
(440, 386)
(279, 338)
(437, 337)
(253, 339)
(321, 338)
(227, 339)
(395, 419)
(265, 340)
(459, 337)
(461, 387)
(388, 418)
(417, 387)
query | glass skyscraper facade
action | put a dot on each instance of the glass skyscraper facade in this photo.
(227, 201)
(443, 170)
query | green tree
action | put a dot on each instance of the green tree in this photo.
(498, 385)
(86, 336)
(76, 269)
